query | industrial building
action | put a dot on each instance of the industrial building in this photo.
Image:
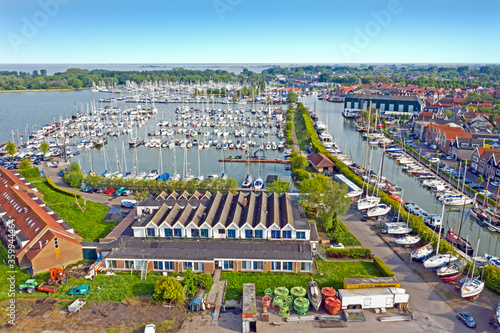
(387, 104)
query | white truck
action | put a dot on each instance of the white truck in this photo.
(373, 298)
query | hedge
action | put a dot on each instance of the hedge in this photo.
(30, 173)
(492, 278)
(349, 253)
(382, 267)
(61, 190)
(289, 126)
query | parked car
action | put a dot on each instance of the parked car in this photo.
(150, 328)
(87, 189)
(477, 186)
(467, 319)
(434, 160)
(365, 218)
(441, 165)
(337, 246)
(494, 184)
(129, 203)
(448, 157)
(109, 191)
(120, 191)
(101, 190)
(83, 289)
(127, 192)
(433, 147)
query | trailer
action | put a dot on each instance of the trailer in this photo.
(76, 305)
(371, 282)
(373, 298)
(49, 288)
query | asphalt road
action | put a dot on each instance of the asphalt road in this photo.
(431, 312)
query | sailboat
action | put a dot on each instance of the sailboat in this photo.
(258, 183)
(473, 285)
(451, 271)
(439, 260)
(247, 182)
(422, 253)
(368, 201)
(408, 239)
(175, 176)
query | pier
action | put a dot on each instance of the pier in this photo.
(251, 160)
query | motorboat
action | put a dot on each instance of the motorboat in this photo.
(397, 228)
(378, 210)
(314, 294)
(408, 240)
(368, 202)
(422, 253)
(457, 201)
(459, 242)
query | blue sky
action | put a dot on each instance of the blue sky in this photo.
(249, 31)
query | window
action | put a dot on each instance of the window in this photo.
(168, 232)
(281, 266)
(204, 233)
(195, 233)
(169, 265)
(158, 265)
(139, 264)
(197, 266)
(259, 234)
(287, 234)
(248, 233)
(305, 266)
(150, 232)
(228, 264)
(186, 265)
(231, 233)
(275, 234)
(56, 243)
(246, 265)
(177, 233)
(112, 264)
(222, 231)
(301, 235)
(129, 264)
(257, 265)
(288, 266)
(276, 266)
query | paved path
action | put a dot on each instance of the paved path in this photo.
(294, 135)
(430, 311)
(216, 295)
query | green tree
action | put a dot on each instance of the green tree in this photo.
(480, 179)
(291, 98)
(436, 154)
(300, 175)
(327, 196)
(74, 167)
(418, 142)
(298, 162)
(168, 289)
(395, 129)
(25, 164)
(73, 179)
(279, 186)
(44, 148)
(407, 135)
(11, 148)
(447, 113)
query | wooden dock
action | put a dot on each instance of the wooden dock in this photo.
(250, 160)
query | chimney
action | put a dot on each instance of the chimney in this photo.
(245, 201)
(40, 242)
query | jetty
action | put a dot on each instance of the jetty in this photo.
(251, 160)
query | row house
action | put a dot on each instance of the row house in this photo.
(479, 160)
(441, 135)
(232, 232)
(462, 148)
(39, 237)
(493, 167)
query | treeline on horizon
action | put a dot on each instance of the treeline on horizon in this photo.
(423, 76)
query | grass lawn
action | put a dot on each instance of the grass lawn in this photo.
(333, 276)
(88, 224)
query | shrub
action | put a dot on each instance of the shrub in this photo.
(492, 278)
(30, 173)
(61, 190)
(168, 289)
(349, 253)
(25, 163)
(204, 281)
(74, 179)
(300, 175)
(382, 267)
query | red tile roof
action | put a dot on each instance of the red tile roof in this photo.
(320, 160)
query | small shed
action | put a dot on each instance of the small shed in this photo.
(195, 304)
(320, 162)
(249, 315)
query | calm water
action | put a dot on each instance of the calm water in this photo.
(345, 134)
(20, 111)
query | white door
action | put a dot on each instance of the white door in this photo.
(389, 302)
(401, 108)
(391, 107)
(410, 108)
(356, 104)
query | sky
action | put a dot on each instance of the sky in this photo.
(249, 31)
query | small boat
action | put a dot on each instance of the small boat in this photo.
(258, 183)
(438, 260)
(247, 182)
(422, 253)
(471, 287)
(314, 294)
(459, 242)
(378, 210)
(498, 313)
(368, 202)
(453, 269)
(408, 240)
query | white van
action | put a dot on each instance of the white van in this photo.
(129, 203)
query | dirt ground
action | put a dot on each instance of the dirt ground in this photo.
(50, 316)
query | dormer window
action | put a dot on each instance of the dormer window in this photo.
(36, 230)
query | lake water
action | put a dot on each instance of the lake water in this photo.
(20, 111)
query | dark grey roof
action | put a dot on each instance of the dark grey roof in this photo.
(172, 249)
(385, 97)
(22, 237)
(226, 209)
(66, 226)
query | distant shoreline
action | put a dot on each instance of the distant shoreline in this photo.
(35, 90)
